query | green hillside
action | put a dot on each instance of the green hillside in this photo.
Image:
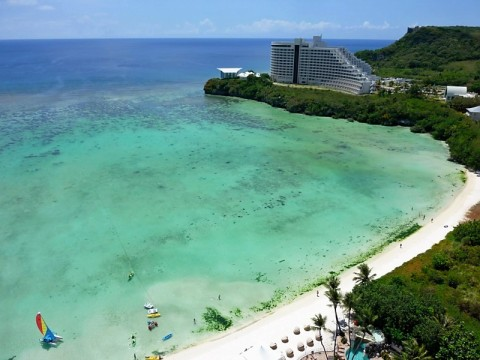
(435, 55)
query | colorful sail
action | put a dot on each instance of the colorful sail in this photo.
(48, 335)
(42, 326)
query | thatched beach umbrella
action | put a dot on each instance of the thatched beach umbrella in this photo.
(285, 339)
(273, 345)
(309, 342)
(307, 327)
(296, 330)
(289, 352)
(300, 346)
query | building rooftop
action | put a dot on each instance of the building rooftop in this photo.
(475, 109)
(229, 70)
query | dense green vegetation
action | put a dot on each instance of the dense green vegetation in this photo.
(435, 55)
(420, 299)
(409, 109)
(461, 104)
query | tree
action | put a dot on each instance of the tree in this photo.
(335, 297)
(364, 274)
(413, 351)
(398, 309)
(319, 322)
(467, 233)
(348, 302)
(459, 344)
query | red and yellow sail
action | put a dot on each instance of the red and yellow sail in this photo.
(42, 326)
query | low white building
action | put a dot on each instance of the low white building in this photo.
(452, 91)
(229, 73)
(474, 113)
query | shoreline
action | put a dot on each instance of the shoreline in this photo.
(252, 341)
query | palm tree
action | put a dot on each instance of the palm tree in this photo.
(365, 318)
(444, 320)
(335, 297)
(348, 302)
(364, 274)
(333, 282)
(413, 351)
(319, 322)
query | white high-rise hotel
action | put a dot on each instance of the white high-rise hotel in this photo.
(300, 62)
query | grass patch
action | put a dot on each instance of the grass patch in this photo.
(237, 312)
(278, 297)
(403, 232)
(215, 321)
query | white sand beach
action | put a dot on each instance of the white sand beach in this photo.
(252, 342)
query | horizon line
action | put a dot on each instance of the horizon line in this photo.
(186, 38)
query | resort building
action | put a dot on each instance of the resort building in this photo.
(452, 91)
(228, 73)
(474, 113)
(301, 62)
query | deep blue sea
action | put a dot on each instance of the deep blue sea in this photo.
(113, 160)
(35, 66)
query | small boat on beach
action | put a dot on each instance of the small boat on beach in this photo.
(148, 306)
(152, 325)
(166, 337)
(154, 315)
(153, 357)
(152, 311)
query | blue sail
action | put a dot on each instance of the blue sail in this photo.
(49, 336)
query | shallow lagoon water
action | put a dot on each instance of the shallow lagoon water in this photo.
(105, 172)
(199, 196)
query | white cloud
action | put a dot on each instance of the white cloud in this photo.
(31, 3)
(270, 25)
(46, 8)
(207, 25)
(369, 26)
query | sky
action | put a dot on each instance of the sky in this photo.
(286, 19)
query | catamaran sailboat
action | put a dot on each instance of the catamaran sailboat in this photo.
(49, 337)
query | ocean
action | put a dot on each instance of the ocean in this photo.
(112, 161)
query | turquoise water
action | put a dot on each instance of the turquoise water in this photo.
(200, 197)
(359, 354)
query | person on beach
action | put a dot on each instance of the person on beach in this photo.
(194, 321)
(219, 297)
